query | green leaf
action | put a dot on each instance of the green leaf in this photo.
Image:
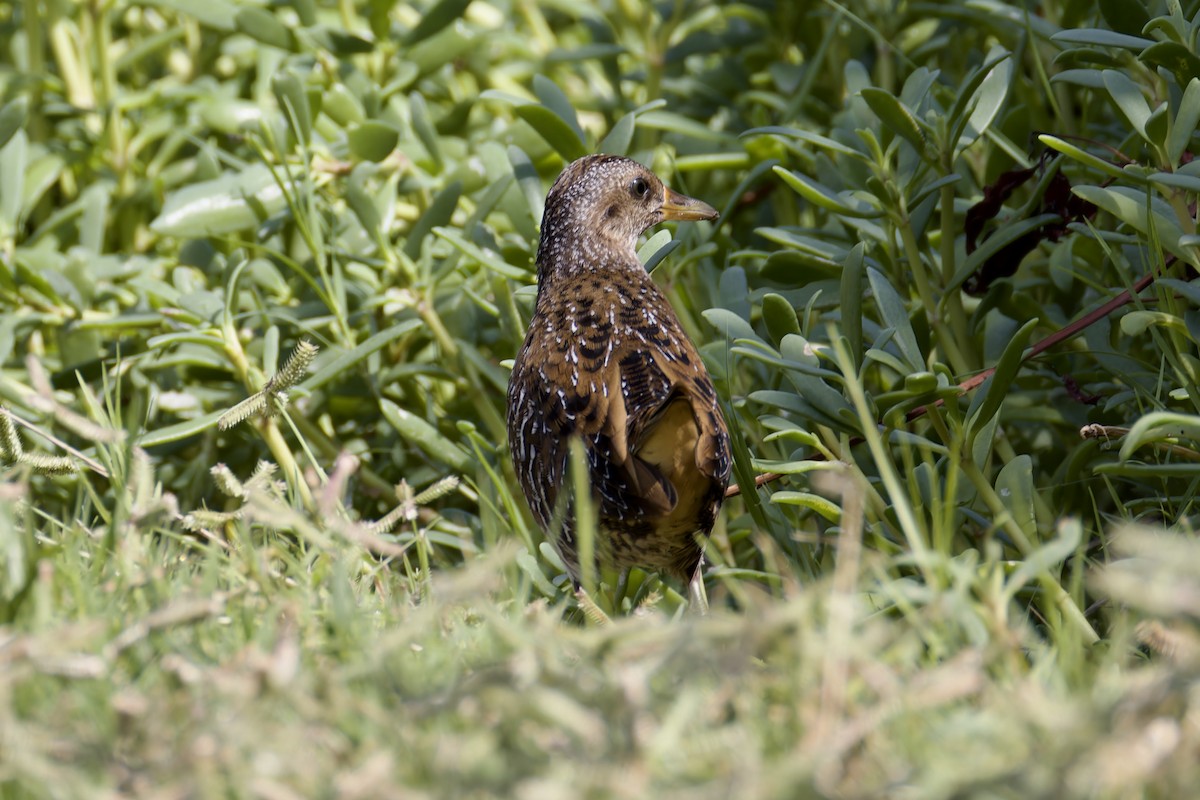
(827, 509)
(1135, 323)
(424, 128)
(440, 210)
(293, 100)
(1014, 484)
(997, 241)
(342, 362)
(981, 97)
(894, 312)
(12, 118)
(678, 124)
(1091, 78)
(824, 197)
(851, 296)
(1129, 99)
(1086, 158)
(779, 316)
(991, 394)
(553, 98)
(656, 248)
(1101, 38)
(1141, 212)
(730, 325)
(1174, 58)
(482, 255)
(216, 14)
(1158, 426)
(179, 431)
(372, 140)
(342, 105)
(436, 18)
(422, 434)
(550, 126)
(260, 24)
(895, 116)
(14, 165)
(619, 138)
(1157, 125)
(221, 206)
(1187, 118)
(1129, 469)
(808, 137)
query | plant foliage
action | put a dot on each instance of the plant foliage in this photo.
(261, 270)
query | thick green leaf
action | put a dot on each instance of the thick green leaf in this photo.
(851, 295)
(293, 100)
(1175, 58)
(1159, 426)
(418, 432)
(894, 312)
(553, 98)
(1102, 38)
(997, 241)
(1129, 99)
(824, 197)
(373, 140)
(435, 19)
(1135, 323)
(981, 97)
(896, 117)
(551, 127)
(991, 394)
(1086, 158)
(14, 164)
(221, 206)
(1091, 78)
(440, 210)
(260, 24)
(730, 325)
(808, 137)
(1014, 484)
(779, 316)
(483, 255)
(1187, 118)
(12, 118)
(179, 431)
(1141, 212)
(342, 362)
(619, 138)
(826, 508)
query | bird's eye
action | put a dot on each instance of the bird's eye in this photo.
(639, 188)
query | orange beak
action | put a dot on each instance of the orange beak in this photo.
(682, 207)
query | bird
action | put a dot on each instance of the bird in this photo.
(606, 360)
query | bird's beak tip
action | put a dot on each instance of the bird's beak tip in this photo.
(681, 207)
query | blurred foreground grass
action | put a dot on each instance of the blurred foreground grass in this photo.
(948, 593)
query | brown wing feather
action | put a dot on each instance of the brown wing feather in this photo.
(640, 399)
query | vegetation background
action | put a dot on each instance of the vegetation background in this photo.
(950, 301)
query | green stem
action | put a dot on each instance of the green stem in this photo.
(953, 297)
(1058, 596)
(269, 428)
(945, 338)
(910, 526)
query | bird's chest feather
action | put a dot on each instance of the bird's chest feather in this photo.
(584, 327)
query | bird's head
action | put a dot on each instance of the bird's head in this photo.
(600, 205)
